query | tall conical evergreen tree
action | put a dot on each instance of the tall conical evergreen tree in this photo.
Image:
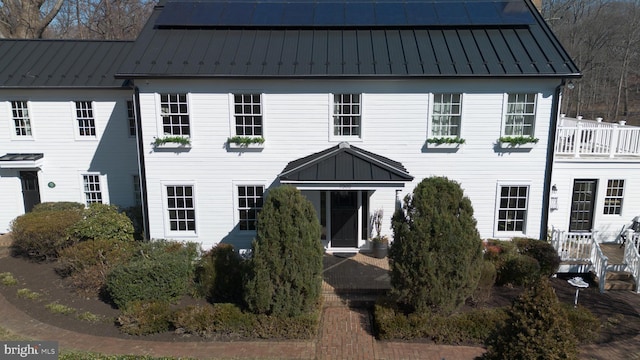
(436, 253)
(285, 272)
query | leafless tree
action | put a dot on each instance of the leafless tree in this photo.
(26, 19)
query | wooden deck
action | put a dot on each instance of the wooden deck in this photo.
(614, 253)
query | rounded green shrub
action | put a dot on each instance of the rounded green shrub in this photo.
(145, 317)
(41, 235)
(519, 270)
(543, 252)
(58, 206)
(102, 221)
(216, 319)
(219, 275)
(536, 328)
(436, 254)
(284, 273)
(87, 263)
(163, 273)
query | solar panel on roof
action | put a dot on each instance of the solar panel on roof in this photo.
(340, 13)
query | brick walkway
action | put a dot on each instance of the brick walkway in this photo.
(345, 332)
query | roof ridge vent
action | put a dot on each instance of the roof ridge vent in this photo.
(344, 145)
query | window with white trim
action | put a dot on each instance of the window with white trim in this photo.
(520, 115)
(21, 120)
(181, 208)
(175, 114)
(92, 188)
(512, 208)
(86, 121)
(131, 118)
(446, 115)
(347, 115)
(250, 201)
(613, 199)
(247, 112)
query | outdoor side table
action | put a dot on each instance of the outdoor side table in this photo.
(578, 282)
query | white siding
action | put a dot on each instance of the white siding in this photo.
(112, 153)
(297, 123)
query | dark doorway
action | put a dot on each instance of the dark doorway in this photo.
(344, 219)
(30, 189)
(583, 204)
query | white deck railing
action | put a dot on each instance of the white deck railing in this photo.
(632, 257)
(578, 137)
(581, 247)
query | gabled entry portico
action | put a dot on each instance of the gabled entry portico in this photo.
(345, 184)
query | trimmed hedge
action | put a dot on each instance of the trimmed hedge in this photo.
(58, 206)
(102, 221)
(41, 235)
(543, 252)
(163, 271)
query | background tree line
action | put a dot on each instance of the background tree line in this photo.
(602, 36)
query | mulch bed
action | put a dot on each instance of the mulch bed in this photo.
(619, 312)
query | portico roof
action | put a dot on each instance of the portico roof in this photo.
(18, 161)
(344, 163)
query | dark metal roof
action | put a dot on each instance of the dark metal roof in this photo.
(61, 63)
(454, 50)
(344, 163)
(21, 157)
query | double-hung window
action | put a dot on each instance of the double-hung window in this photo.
(86, 121)
(347, 115)
(175, 114)
(520, 115)
(181, 209)
(512, 208)
(614, 197)
(446, 115)
(21, 120)
(247, 112)
(250, 200)
(92, 188)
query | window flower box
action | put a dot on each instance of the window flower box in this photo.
(445, 142)
(172, 142)
(517, 142)
(245, 142)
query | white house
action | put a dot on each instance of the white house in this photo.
(65, 130)
(350, 99)
(354, 103)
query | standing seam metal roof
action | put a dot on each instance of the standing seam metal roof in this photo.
(466, 50)
(61, 63)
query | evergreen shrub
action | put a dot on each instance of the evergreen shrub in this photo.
(162, 271)
(102, 221)
(145, 317)
(58, 206)
(41, 235)
(211, 320)
(436, 255)
(284, 273)
(543, 252)
(219, 275)
(536, 328)
(519, 270)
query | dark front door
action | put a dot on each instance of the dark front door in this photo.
(344, 219)
(30, 189)
(583, 204)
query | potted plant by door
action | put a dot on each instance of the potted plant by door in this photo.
(380, 246)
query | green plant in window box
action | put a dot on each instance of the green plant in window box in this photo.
(445, 140)
(518, 140)
(180, 140)
(245, 140)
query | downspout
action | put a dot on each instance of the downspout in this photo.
(141, 166)
(551, 145)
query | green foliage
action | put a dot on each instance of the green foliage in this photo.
(102, 221)
(25, 293)
(134, 213)
(58, 206)
(7, 279)
(436, 254)
(210, 320)
(537, 328)
(41, 235)
(284, 274)
(89, 262)
(445, 140)
(163, 271)
(472, 327)
(145, 317)
(543, 252)
(518, 140)
(219, 275)
(180, 140)
(486, 282)
(303, 326)
(245, 140)
(520, 270)
(584, 325)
